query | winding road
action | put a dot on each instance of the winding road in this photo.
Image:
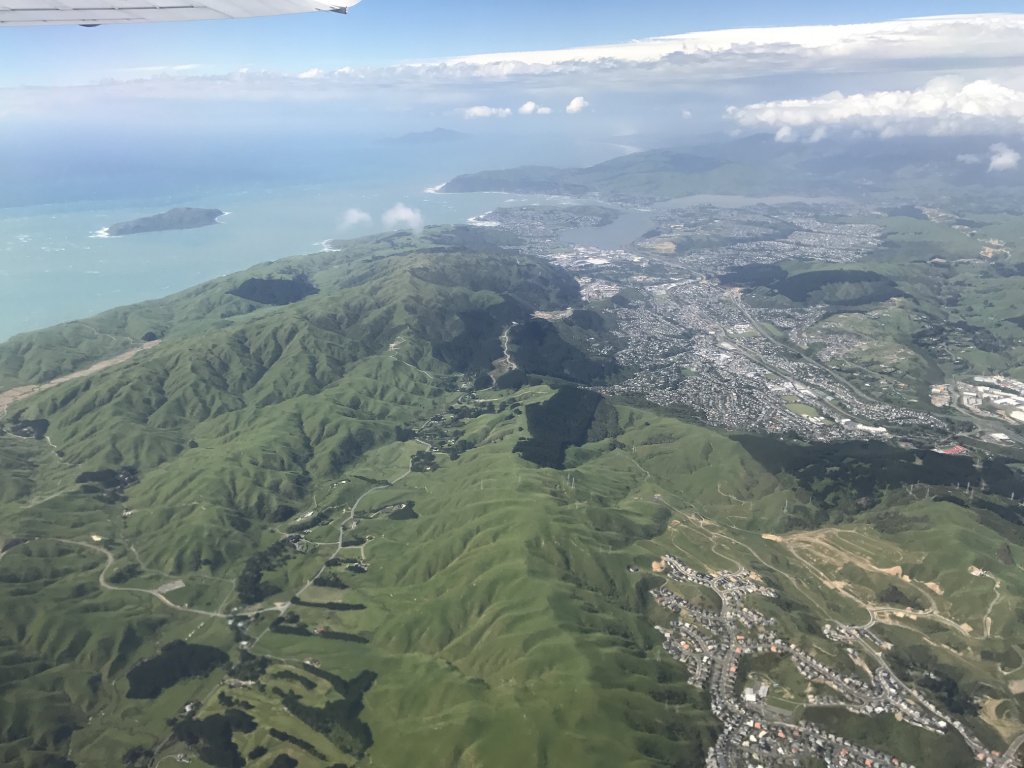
(152, 592)
(282, 607)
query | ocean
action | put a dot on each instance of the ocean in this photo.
(55, 267)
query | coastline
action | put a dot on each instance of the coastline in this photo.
(478, 220)
(57, 247)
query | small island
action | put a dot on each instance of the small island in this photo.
(176, 218)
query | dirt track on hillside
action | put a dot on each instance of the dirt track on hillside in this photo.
(11, 396)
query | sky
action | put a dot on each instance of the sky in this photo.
(647, 73)
(383, 32)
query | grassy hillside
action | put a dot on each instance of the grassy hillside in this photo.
(163, 479)
(312, 488)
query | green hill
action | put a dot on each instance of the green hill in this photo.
(508, 626)
(186, 506)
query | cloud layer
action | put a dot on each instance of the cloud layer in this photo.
(944, 106)
(993, 35)
(775, 78)
(706, 56)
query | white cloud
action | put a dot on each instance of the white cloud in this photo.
(476, 113)
(968, 159)
(987, 35)
(354, 217)
(944, 106)
(1003, 158)
(577, 105)
(785, 135)
(710, 69)
(401, 216)
(532, 108)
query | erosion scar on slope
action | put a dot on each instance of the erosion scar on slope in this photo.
(11, 396)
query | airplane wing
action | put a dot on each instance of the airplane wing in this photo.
(26, 13)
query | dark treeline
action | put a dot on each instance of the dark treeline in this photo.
(300, 743)
(829, 286)
(919, 665)
(249, 666)
(348, 637)
(110, 478)
(329, 606)
(406, 511)
(846, 478)
(896, 596)
(35, 428)
(212, 738)
(572, 416)
(250, 586)
(121, 575)
(176, 661)
(287, 674)
(290, 629)
(339, 720)
(328, 579)
(539, 349)
(277, 291)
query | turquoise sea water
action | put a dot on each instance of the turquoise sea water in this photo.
(53, 268)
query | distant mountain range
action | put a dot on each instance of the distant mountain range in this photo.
(914, 171)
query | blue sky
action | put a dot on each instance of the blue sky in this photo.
(382, 32)
(394, 66)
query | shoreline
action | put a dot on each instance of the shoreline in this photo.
(478, 221)
(147, 268)
(326, 247)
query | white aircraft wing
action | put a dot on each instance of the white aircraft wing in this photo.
(25, 13)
